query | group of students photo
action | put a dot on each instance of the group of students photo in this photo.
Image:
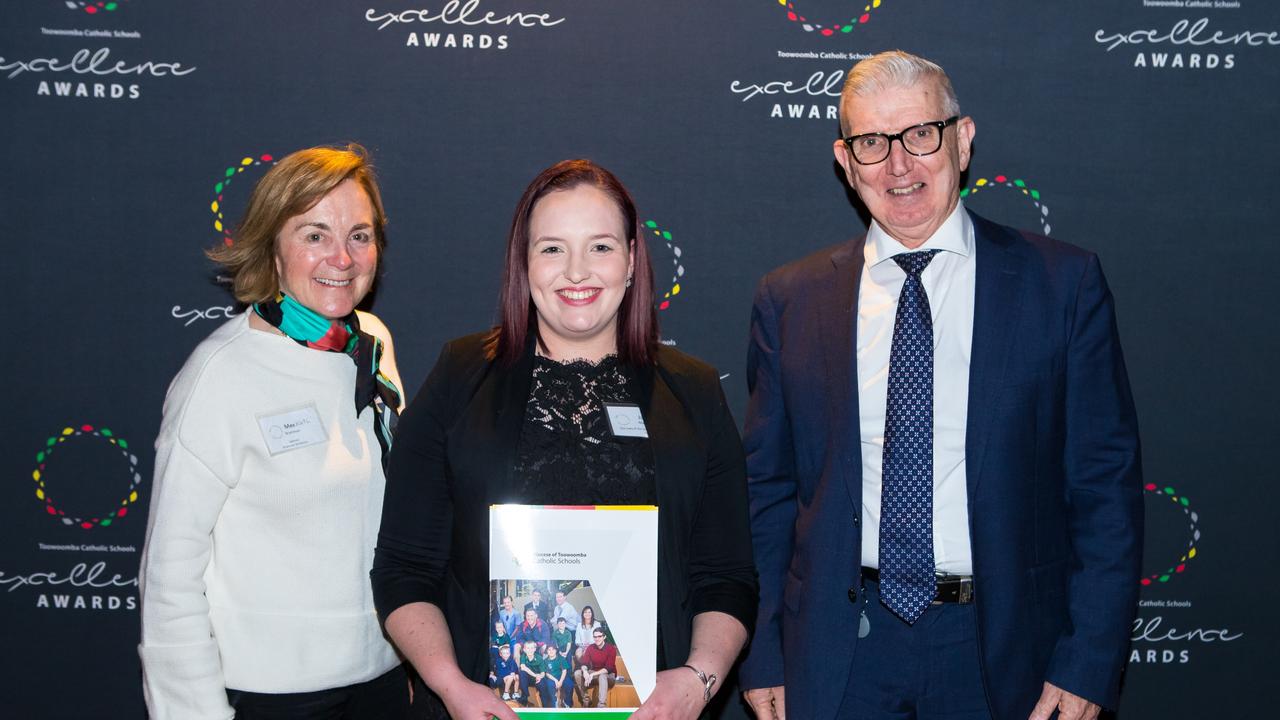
(561, 653)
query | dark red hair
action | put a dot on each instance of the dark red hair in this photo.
(637, 320)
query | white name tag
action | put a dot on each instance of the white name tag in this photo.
(292, 429)
(626, 420)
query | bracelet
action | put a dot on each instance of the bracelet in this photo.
(707, 681)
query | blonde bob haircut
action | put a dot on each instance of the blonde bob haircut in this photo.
(292, 187)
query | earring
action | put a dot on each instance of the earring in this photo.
(628, 281)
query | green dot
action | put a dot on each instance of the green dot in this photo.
(1035, 194)
(964, 192)
(666, 235)
(111, 6)
(650, 224)
(846, 28)
(51, 442)
(105, 522)
(40, 456)
(1184, 502)
(122, 443)
(1019, 183)
(106, 432)
(218, 188)
(1164, 578)
(1168, 491)
(231, 171)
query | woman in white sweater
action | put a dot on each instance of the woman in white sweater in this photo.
(269, 479)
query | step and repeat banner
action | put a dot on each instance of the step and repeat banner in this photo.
(1145, 130)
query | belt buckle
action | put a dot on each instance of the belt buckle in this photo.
(966, 591)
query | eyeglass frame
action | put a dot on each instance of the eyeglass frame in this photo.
(942, 126)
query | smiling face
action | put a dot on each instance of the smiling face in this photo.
(579, 261)
(909, 196)
(559, 598)
(326, 257)
(507, 602)
(531, 617)
(599, 638)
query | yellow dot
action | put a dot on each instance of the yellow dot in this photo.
(1192, 553)
(981, 182)
(214, 206)
(133, 496)
(783, 3)
(68, 431)
(876, 3)
(675, 290)
(247, 161)
(217, 224)
(35, 475)
(39, 493)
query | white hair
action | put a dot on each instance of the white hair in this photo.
(895, 69)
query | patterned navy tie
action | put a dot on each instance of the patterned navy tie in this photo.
(907, 583)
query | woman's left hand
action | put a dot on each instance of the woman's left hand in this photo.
(677, 696)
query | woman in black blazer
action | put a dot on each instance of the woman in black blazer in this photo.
(516, 415)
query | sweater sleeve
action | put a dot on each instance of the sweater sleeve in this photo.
(182, 673)
(413, 548)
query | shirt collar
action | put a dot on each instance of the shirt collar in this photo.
(955, 235)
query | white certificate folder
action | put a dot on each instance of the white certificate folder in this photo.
(602, 557)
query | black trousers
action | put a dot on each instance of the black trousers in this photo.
(385, 697)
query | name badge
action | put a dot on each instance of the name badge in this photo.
(626, 420)
(292, 429)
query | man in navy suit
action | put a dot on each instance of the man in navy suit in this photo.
(942, 448)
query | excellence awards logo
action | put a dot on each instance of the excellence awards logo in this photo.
(839, 25)
(1214, 37)
(1174, 563)
(664, 297)
(1020, 188)
(243, 168)
(94, 8)
(93, 446)
(461, 24)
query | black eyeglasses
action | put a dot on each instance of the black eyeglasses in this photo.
(919, 140)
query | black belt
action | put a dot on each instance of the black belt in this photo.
(951, 588)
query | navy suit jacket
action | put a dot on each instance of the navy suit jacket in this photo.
(1053, 475)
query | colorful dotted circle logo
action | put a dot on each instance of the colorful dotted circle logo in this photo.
(82, 434)
(677, 262)
(836, 28)
(220, 224)
(93, 8)
(1016, 184)
(1193, 534)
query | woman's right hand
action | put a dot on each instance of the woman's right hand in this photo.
(466, 700)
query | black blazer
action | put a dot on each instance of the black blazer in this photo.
(453, 457)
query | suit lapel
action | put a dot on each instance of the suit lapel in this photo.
(838, 307)
(510, 388)
(995, 314)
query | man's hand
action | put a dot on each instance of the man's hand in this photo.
(1069, 707)
(767, 703)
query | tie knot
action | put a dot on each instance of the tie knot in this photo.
(914, 263)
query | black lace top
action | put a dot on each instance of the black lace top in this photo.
(568, 454)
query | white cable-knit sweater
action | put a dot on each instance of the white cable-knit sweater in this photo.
(255, 573)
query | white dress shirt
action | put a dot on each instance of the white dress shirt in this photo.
(949, 282)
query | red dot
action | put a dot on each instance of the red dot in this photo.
(123, 511)
(50, 509)
(864, 18)
(791, 16)
(90, 9)
(665, 304)
(1180, 568)
(86, 525)
(228, 241)
(1146, 581)
(1001, 178)
(86, 428)
(267, 158)
(827, 32)
(1151, 486)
